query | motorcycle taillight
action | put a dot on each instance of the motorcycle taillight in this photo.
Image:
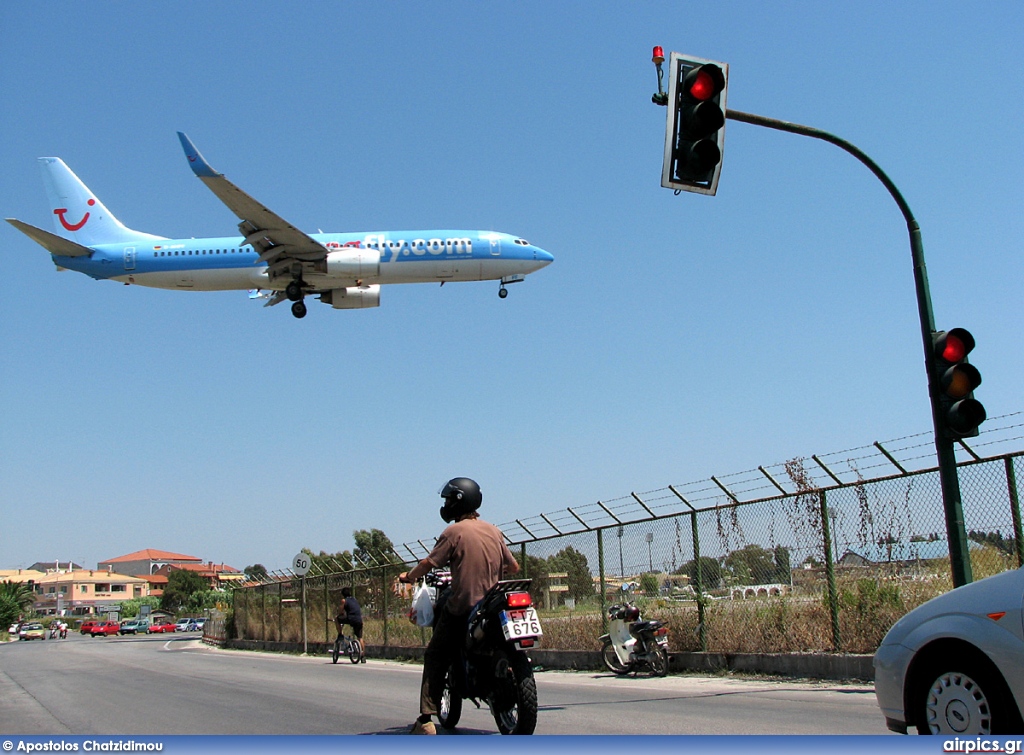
(518, 599)
(660, 631)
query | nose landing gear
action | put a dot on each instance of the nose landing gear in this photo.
(509, 280)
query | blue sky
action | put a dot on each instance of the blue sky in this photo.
(674, 337)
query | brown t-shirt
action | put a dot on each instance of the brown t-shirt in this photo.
(476, 552)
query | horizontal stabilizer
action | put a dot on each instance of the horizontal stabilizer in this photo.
(51, 242)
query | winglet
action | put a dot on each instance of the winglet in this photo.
(195, 160)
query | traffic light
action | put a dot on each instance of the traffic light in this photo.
(695, 128)
(954, 383)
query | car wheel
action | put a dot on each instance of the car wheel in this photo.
(967, 696)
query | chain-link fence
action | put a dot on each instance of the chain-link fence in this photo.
(738, 564)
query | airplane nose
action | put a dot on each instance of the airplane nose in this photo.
(545, 257)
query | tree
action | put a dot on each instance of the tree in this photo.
(255, 573)
(574, 564)
(20, 593)
(10, 611)
(710, 572)
(182, 584)
(374, 548)
(751, 565)
(783, 567)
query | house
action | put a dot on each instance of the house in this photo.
(81, 592)
(147, 561)
(219, 576)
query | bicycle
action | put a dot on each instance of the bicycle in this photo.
(350, 646)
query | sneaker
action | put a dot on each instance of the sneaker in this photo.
(363, 659)
(421, 728)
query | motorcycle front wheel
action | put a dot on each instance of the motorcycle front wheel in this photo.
(450, 710)
(611, 660)
(514, 701)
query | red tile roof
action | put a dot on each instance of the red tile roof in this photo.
(151, 554)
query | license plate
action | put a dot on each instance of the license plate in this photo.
(519, 623)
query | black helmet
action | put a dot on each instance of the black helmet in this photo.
(461, 495)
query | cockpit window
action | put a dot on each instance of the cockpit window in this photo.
(522, 242)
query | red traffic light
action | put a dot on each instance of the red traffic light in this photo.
(955, 381)
(954, 346)
(703, 82)
(659, 55)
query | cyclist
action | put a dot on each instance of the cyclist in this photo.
(476, 553)
(349, 612)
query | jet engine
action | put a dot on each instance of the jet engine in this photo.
(356, 297)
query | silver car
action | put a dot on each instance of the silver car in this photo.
(955, 665)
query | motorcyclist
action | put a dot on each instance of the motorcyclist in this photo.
(477, 555)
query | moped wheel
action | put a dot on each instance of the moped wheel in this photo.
(612, 662)
(658, 661)
(514, 701)
(450, 710)
(336, 652)
(355, 649)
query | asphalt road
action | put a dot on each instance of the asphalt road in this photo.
(175, 685)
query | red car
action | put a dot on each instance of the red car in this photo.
(161, 626)
(87, 626)
(106, 628)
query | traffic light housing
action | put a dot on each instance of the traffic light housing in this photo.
(695, 127)
(954, 381)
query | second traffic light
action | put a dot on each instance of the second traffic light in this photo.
(695, 129)
(954, 383)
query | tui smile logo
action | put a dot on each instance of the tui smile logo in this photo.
(60, 211)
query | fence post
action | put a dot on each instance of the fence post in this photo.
(327, 612)
(280, 611)
(601, 587)
(1011, 484)
(263, 612)
(830, 573)
(522, 561)
(702, 629)
(384, 600)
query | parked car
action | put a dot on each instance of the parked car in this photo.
(182, 625)
(161, 625)
(105, 628)
(32, 631)
(133, 626)
(955, 665)
(87, 625)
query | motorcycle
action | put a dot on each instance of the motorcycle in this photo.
(632, 644)
(494, 667)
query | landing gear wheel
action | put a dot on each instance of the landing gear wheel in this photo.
(502, 292)
(293, 291)
(659, 662)
(450, 710)
(612, 662)
(355, 650)
(514, 702)
(299, 309)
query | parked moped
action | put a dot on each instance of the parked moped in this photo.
(633, 644)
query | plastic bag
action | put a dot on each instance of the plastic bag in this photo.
(422, 606)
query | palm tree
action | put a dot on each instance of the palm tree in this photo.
(20, 593)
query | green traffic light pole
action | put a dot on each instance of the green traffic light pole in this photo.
(956, 533)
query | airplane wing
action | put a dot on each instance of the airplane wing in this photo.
(51, 242)
(279, 243)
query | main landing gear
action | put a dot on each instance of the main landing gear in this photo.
(295, 293)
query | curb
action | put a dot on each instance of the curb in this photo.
(837, 667)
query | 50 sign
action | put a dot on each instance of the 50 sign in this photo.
(301, 564)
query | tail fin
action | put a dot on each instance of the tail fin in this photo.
(77, 213)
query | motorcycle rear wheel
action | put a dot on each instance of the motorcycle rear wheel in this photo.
(517, 686)
(658, 661)
(450, 710)
(612, 662)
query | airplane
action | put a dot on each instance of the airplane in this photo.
(273, 259)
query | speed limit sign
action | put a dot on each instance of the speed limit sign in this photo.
(301, 564)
